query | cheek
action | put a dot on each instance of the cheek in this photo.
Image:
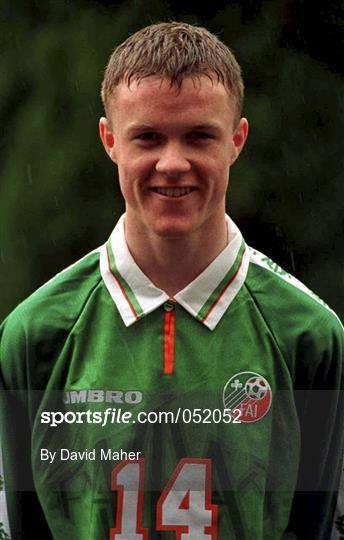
(130, 178)
(137, 171)
(219, 169)
(124, 183)
(222, 179)
(219, 159)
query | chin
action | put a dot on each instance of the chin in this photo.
(172, 230)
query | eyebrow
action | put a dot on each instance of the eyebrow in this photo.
(138, 127)
(206, 126)
(146, 127)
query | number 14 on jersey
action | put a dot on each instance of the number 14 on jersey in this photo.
(184, 506)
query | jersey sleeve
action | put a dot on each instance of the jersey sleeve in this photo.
(22, 515)
(320, 405)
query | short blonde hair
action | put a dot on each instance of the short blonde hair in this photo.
(173, 50)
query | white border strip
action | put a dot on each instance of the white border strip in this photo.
(114, 289)
(229, 295)
(3, 504)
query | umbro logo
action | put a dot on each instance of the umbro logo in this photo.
(132, 397)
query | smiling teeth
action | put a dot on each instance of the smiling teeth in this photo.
(174, 192)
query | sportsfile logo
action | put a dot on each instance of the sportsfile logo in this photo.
(250, 393)
(131, 397)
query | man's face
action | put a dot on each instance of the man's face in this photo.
(173, 149)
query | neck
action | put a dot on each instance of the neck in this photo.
(172, 263)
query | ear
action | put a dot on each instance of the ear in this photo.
(107, 138)
(239, 138)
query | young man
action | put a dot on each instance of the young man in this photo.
(201, 383)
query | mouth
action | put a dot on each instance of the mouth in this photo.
(175, 192)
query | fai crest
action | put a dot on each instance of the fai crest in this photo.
(250, 393)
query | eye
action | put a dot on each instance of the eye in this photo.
(200, 136)
(149, 137)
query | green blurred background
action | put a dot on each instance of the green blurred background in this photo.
(59, 196)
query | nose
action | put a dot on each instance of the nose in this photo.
(172, 160)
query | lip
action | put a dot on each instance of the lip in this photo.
(178, 191)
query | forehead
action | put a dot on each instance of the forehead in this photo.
(155, 98)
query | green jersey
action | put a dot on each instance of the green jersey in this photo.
(215, 414)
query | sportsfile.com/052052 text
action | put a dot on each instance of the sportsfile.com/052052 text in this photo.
(119, 416)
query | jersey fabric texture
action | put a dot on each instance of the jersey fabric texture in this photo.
(243, 334)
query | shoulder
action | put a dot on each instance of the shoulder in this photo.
(278, 290)
(299, 320)
(63, 295)
(46, 317)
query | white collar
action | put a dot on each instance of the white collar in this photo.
(206, 298)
